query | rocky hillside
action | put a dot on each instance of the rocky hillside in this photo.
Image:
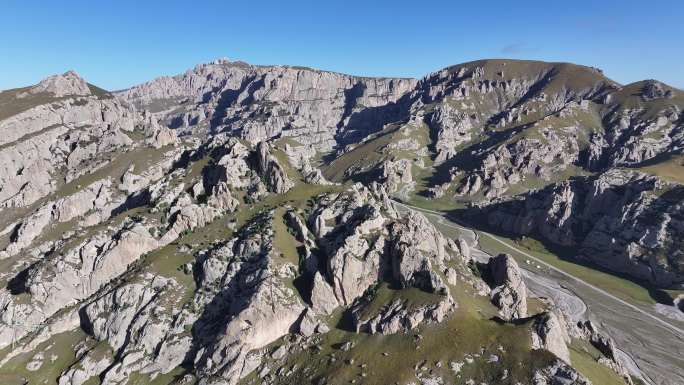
(235, 223)
(491, 131)
(256, 103)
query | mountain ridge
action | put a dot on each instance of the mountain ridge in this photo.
(235, 224)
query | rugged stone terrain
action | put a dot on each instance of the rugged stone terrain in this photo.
(235, 223)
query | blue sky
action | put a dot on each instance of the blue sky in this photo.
(115, 44)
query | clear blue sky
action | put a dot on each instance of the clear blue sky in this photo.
(115, 44)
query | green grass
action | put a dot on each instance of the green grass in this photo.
(363, 156)
(584, 358)
(671, 169)
(385, 295)
(445, 203)
(136, 378)
(468, 331)
(283, 241)
(620, 287)
(140, 158)
(60, 345)
(11, 105)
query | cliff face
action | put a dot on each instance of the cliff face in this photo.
(491, 131)
(257, 103)
(624, 221)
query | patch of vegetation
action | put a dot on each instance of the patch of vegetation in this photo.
(671, 168)
(283, 241)
(387, 359)
(11, 104)
(384, 295)
(59, 354)
(584, 358)
(136, 378)
(620, 287)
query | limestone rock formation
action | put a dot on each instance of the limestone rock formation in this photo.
(228, 224)
(415, 248)
(67, 84)
(399, 317)
(264, 102)
(509, 292)
(549, 332)
(271, 170)
(239, 316)
(559, 373)
(622, 220)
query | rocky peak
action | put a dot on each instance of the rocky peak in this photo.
(653, 89)
(67, 84)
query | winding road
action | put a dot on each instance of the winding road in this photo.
(653, 347)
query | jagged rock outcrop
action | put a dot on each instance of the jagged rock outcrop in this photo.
(247, 304)
(622, 220)
(397, 175)
(322, 296)
(451, 129)
(143, 324)
(549, 332)
(151, 218)
(407, 249)
(350, 229)
(604, 344)
(95, 197)
(62, 136)
(559, 373)
(66, 84)
(399, 316)
(271, 170)
(61, 280)
(417, 249)
(509, 292)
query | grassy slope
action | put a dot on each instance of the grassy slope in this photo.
(60, 346)
(391, 359)
(620, 287)
(670, 169)
(585, 357)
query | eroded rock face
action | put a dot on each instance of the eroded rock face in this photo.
(415, 248)
(399, 317)
(269, 168)
(549, 332)
(350, 229)
(247, 303)
(408, 250)
(68, 135)
(97, 197)
(603, 343)
(143, 325)
(559, 373)
(622, 220)
(509, 292)
(397, 175)
(322, 296)
(451, 128)
(67, 84)
(263, 102)
(63, 280)
(155, 266)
